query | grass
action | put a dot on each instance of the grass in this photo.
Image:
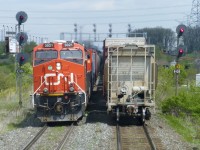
(11, 115)
(189, 131)
(53, 135)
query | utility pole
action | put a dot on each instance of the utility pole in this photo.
(110, 30)
(129, 30)
(75, 31)
(95, 32)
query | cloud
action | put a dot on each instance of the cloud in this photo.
(103, 5)
(82, 5)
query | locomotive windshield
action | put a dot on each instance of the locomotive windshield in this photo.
(43, 56)
(75, 56)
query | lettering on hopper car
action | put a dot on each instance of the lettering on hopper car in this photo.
(53, 75)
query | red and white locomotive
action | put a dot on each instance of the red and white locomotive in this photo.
(62, 73)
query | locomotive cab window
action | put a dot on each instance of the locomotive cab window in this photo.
(43, 56)
(75, 56)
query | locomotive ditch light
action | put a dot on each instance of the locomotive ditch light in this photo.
(71, 87)
(45, 90)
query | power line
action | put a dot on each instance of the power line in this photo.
(101, 11)
(121, 16)
(64, 24)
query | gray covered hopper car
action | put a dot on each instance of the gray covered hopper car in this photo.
(129, 77)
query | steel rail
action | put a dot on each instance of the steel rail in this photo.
(38, 135)
(119, 146)
(62, 143)
(153, 147)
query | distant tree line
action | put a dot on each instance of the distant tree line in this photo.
(192, 39)
(166, 38)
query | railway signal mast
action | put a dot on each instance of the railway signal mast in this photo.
(21, 57)
(180, 30)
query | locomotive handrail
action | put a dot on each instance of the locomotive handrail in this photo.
(35, 93)
(38, 87)
(82, 91)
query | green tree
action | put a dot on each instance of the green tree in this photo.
(164, 38)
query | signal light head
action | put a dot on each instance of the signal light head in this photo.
(22, 58)
(21, 37)
(180, 50)
(181, 30)
(21, 17)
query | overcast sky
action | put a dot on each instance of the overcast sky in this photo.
(48, 18)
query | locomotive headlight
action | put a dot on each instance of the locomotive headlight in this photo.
(45, 90)
(58, 66)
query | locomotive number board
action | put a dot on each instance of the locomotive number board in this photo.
(68, 44)
(48, 45)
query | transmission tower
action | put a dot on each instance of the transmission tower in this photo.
(195, 13)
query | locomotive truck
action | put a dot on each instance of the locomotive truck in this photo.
(62, 73)
(129, 77)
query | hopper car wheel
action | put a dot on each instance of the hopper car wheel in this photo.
(117, 113)
(142, 117)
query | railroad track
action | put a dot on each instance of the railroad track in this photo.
(67, 134)
(38, 135)
(41, 132)
(137, 138)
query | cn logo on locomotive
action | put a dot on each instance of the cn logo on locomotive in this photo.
(53, 75)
